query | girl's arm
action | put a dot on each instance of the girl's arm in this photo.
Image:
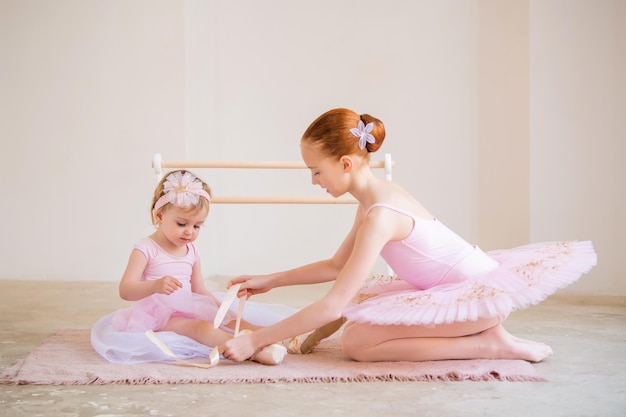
(314, 273)
(133, 288)
(369, 240)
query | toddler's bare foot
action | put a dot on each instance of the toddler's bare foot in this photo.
(501, 345)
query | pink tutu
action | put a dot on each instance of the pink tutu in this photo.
(488, 285)
(153, 312)
(133, 346)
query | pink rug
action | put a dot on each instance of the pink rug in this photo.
(67, 358)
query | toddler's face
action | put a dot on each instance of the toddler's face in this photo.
(181, 226)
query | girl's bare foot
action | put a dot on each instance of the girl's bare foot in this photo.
(499, 344)
(519, 339)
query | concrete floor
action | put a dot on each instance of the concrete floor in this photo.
(586, 374)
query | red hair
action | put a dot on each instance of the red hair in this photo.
(331, 133)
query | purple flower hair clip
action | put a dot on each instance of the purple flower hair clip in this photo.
(364, 133)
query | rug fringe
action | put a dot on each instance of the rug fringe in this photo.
(453, 376)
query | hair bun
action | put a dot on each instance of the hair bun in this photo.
(378, 132)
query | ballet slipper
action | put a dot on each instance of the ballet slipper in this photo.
(305, 343)
(272, 354)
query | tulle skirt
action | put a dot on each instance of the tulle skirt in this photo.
(154, 311)
(523, 276)
(119, 337)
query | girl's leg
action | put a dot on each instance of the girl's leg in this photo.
(243, 325)
(198, 330)
(481, 339)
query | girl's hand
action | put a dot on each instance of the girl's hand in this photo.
(239, 348)
(167, 285)
(252, 284)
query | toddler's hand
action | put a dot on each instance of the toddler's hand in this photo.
(167, 285)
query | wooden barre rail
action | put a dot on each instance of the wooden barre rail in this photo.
(233, 199)
(158, 164)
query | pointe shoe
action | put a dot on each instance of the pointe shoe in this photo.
(270, 355)
(305, 343)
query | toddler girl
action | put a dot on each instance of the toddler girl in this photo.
(163, 278)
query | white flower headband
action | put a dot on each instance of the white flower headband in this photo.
(181, 190)
(364, 133)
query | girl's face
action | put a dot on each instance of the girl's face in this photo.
(180, 226)
(326, 172)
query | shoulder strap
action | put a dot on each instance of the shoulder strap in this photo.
(406, 213)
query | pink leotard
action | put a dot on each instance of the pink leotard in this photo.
(433, 254)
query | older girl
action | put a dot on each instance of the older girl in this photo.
(449, 298)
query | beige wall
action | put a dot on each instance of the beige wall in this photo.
(577, 125)
(482, 132)
(87, 90)
(502, 120)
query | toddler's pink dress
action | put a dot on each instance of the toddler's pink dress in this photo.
(440, 278)
(119, 336)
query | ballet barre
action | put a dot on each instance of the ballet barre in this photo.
(158, 164)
